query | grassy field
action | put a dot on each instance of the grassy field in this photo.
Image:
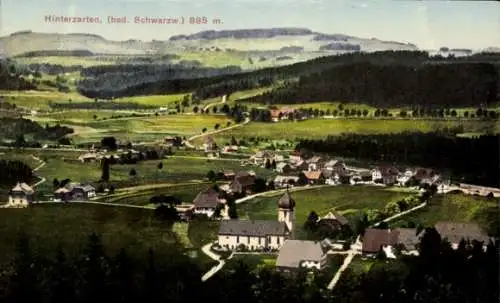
(158, 100)
(253, 261)
(69, 225)
(64, 164)
(185, 192)
(457, 208)
(131, 128)
(345, 199)
(40, 99)
(320, 128)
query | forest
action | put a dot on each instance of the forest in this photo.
(425, 86)
(228, 81)
(439, 274)
(468, 160)
(14, 171)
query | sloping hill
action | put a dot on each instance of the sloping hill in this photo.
(273, 39)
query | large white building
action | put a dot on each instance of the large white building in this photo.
(260, 234)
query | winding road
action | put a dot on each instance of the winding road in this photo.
(188, 141)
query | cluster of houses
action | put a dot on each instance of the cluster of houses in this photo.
(406, 240)
(319, 170)
(293, 254)
(22, 195)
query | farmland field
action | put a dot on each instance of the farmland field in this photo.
(67, 60)
(185, 192)
(40, 99)
(345, 199)
(132, 128)
(457, 208)
(320, 128)
(158, 100)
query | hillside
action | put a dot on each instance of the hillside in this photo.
(273, 39)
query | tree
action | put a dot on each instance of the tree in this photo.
(55, 183)
(195, 109)
(232, 212)
(211, 175)
(214, 109)
(132, 172)
(267, 164)
(302, 179)
(105, 170)
(204, 130)
(109, 143)
(311, 223)
(216, 126)
(365, 113)
(160, 165)
(233, 141)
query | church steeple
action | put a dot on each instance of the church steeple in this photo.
(286, 205)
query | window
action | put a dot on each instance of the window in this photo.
(278, 240)
(260, 240)
(238, 239)
(248, 240)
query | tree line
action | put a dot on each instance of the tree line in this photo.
(460, 85)
(469, 160)
(439, 274)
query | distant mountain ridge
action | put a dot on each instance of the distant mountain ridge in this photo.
(253, 40)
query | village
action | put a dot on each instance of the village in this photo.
(293, 171)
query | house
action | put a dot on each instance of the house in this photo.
(301, 165)
(88, 157)
(276, 115)
(283, 168)
(285, 181)
(376, 239)
(336, 166)
(260, 234)
(387, 240)
(333, 221)
(229, 174)
(314, 163)
(295, 157)
(314, 177)
(206, 202)
(361, 177)
(242, 183)
(21, 195)
(209, 146)
(408, 239)
(230, 148)
(261, 157)
(75, 192)
(298, 254)
(173, 141)
(454, 232)
(385, 174)
(404, 177)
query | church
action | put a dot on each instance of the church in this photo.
(260, 234)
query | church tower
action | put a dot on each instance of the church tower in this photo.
(286, 214)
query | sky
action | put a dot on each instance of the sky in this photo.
(428, 24)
